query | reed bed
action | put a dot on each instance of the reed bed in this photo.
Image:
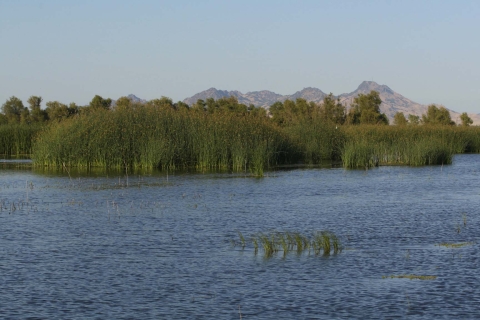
(320, 243)
(146, 137)
(16, 139)
(368, 146)
(149, 137)
(316, 140)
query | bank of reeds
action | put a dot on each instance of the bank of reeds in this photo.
(317, 140)
(16, 139)
(149, 137)
(367, 146)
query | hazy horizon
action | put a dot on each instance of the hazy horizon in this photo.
(69, 51)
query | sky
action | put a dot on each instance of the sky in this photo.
(70, 51)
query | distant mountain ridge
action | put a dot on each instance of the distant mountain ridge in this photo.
(392, 102)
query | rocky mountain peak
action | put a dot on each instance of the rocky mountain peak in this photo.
(367, 86)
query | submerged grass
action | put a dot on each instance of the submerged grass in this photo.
(454, 245)
(410, 276)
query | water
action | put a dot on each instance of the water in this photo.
(157, 246)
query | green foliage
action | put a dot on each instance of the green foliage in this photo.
(36, 113)
(366, 110)
(332, 110)
(16, 139)
(466, 120)
(413, 119)
(56, 111)
(320, 242)
(293, 112)
(399, 119)
(316, 140)
(12, 109)
(100, 103)
(148, 136)
(367, 146)
(437, 116)
(227, 135)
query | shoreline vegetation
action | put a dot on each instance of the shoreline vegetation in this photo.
(226, 135)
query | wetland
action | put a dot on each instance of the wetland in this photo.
(106, 244)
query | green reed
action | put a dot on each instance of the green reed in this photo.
(144, 136)
(16, 139)
(368, 146)
(410, 276)
(322, 242)
(149, 137)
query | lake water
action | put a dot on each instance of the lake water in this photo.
(154, 246)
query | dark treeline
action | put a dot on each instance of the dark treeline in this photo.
(226, 134)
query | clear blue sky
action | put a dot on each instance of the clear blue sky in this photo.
(69, 51)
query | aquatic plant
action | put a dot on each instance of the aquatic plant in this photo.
(410, 276)
(145, 136)
(149, 137)
(454, 245)
(16, 139)
(322, 242)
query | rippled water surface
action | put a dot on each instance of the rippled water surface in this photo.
(158, 246)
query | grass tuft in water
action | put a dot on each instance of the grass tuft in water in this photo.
(410, 276)
(454, 245)
(322, 242)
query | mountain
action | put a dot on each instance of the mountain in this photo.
(263, 98)
(392, 102)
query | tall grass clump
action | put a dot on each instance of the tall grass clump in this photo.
(16, 139)
(151, 137)
(321, 242)
(367, 146)
(316, 140)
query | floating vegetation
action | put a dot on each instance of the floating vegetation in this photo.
(454, 245)
(321, 242)
(410, 276)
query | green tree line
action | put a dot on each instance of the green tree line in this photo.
(365, 109)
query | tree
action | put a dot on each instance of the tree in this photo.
(181, 106)
(332, 110)
(36, 113)
(123, 103)
(200, 105)
(3, 119)
(277, 111)
(25, 116)
(366, 110)
(162, 103)
(73, 109)
(12, 109)
(466, 120)
(413, 119)
(399, 119)
(100, 103)
(437, 116)
(57, 111)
